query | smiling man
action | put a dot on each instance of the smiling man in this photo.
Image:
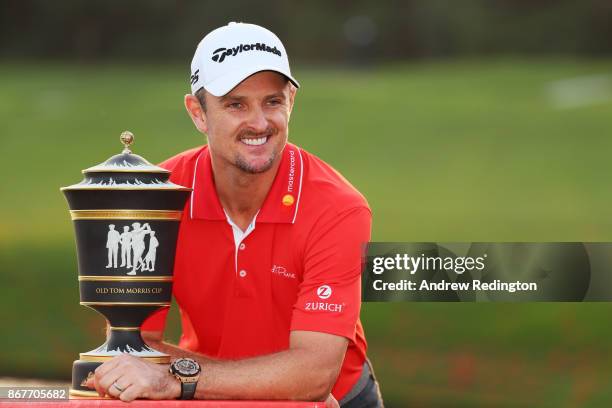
(267, 272)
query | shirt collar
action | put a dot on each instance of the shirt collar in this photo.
(281, 204)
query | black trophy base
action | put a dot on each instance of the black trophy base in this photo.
(121, 340)
(81, 370)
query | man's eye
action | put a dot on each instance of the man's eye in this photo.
(234, 105)
(274, 102)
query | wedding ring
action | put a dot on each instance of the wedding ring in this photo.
(117, 387)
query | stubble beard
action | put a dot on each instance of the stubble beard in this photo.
(243, 165)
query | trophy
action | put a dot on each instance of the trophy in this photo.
(126, 216)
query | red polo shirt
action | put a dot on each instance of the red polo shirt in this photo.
(297, 267)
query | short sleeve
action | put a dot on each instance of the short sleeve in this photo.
(329, 296)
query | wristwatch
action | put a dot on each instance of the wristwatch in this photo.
(187, 371)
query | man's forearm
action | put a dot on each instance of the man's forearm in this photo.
(289, 375)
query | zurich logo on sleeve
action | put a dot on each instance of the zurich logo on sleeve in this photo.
(324, 292)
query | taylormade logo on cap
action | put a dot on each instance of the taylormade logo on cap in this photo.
(220, 53)
(230, 54)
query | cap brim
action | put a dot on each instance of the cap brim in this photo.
(230, 80)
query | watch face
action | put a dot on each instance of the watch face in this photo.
(186, 366)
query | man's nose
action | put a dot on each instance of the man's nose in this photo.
(258, 121)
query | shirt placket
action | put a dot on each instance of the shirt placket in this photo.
(242, 287)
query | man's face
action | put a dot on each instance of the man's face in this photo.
(248, 127)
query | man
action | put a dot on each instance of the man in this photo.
(126, 247)
(268, 262)
(138, 245)
(150, 257)
(112, 245)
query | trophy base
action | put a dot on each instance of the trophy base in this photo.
(121, 340)
(78, 394)
(81, 370)
(84, 368)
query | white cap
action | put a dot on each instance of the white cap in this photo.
(232, 53)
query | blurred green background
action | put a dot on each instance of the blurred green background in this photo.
(459, 121)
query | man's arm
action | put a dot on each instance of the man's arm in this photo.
(306, 371)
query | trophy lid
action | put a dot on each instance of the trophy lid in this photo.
(126, 171)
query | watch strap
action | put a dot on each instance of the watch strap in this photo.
(188, 390)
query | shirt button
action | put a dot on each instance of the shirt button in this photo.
(242, 273)
(242, 246)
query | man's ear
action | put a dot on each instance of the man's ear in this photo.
(292, 92)
(197, 115)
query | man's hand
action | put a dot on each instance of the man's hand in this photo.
(127, 377)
